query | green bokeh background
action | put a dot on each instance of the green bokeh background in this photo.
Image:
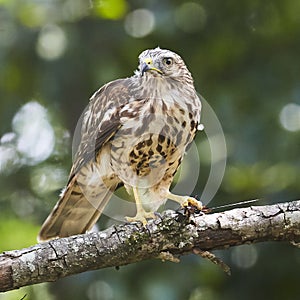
(244, 57)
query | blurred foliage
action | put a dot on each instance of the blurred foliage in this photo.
(243, 56)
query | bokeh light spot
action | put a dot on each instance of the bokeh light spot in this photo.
(290, 117)
(100, 290)
(8, 137)
(73, 10)
(110, 9)
(278, 176)
(51, 43)
(9, 159)
(23, 203)
(32, 14)
(190, 17)
(244, 256)
(47, 179)
(35, 134)
(140, 23)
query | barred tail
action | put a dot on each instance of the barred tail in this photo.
(76, 212)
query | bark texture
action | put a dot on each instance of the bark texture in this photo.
(165, 238)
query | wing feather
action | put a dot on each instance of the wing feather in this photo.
(81, 205)
(101, 120)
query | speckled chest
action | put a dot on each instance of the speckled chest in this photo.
(152, 142)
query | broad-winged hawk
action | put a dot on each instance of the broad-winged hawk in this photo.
(135, 132)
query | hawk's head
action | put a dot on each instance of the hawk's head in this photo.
(162, 62)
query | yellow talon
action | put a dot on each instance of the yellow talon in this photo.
(192, 202)
(185, 201)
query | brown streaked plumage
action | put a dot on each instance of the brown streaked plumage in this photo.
(134, 132)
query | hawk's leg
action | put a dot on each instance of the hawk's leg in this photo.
(141, 214)
(185, 201)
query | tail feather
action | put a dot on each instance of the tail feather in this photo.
(76, 212)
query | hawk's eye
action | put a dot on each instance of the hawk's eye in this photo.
(168, 61)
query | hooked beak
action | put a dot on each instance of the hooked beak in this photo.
(147, 65)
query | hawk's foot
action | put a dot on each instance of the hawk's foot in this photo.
(186, 201)
(190, 201)
(141, 216)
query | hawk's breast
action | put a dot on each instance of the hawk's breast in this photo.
(151, 141)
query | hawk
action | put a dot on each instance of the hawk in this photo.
(134, 132)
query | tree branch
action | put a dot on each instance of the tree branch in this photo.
(167, 237)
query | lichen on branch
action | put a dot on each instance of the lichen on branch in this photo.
(168, 238)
